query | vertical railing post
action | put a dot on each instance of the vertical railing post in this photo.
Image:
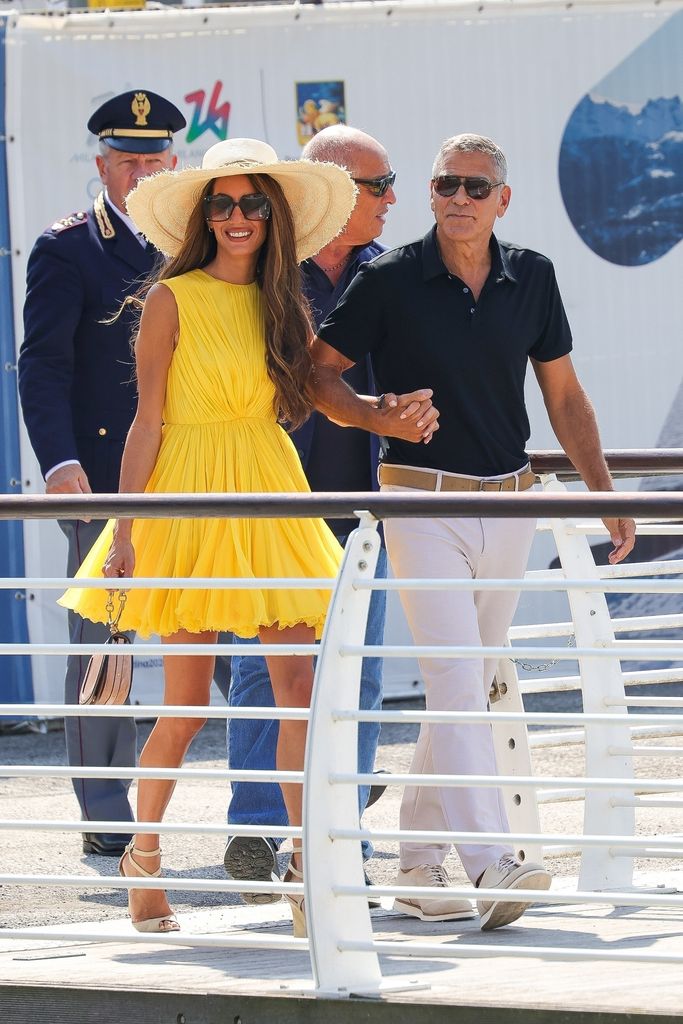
(513, 757)
(602, 686)
(333, 747)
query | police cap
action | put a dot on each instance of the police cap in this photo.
(138, 121)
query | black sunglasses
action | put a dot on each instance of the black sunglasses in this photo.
(378, 186)
(254, 207)
(476, 188)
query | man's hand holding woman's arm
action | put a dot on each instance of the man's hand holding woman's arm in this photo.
(411, 417)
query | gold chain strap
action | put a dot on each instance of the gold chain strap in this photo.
(112, 622)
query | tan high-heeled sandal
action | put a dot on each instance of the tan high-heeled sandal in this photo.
(296, 903)
(168, 923)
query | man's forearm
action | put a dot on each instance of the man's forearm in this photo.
(410, 417)
(333, 397)
(577, 431)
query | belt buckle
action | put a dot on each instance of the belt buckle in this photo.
(491, 485)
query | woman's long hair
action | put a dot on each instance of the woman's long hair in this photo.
(287, 321)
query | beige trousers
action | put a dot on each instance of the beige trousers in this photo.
(457, 548)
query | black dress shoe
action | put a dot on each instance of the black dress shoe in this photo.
(105, 845)
(376, 789)
(373, 901)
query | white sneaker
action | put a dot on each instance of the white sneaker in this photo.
(509, 873)
(428, 908)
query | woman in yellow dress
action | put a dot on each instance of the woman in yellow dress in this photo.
(222, 358)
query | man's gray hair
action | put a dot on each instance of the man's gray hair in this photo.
(471, 144)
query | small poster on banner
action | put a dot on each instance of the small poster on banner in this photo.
(116, 5)
(318, 105)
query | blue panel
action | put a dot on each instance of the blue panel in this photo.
(15, 673)
(621, 159)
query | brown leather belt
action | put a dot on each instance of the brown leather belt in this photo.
(428, 480)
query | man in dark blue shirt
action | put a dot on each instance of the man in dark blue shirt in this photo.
(334, 459)
(464, 314)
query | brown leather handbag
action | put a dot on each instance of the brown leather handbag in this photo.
(109, 676)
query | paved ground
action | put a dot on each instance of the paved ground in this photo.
(201, 856)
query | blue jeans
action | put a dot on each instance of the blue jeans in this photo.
(252, 743)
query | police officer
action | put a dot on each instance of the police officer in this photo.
(78, 394)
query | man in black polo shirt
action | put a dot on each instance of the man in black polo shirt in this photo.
(462, 313)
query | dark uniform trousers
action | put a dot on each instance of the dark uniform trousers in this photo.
(94, 741)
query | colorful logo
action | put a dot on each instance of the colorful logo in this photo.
(216, 119)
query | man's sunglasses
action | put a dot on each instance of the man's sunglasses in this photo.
(476, 188)
(378, 186)
(254, 207)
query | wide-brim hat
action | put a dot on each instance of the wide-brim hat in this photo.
(321, 196)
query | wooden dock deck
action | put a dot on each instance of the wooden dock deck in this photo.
(61, 978)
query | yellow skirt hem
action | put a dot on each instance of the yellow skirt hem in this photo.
(246, 631)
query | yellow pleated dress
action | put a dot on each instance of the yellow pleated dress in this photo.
(219, 435)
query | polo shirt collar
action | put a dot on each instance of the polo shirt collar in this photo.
(434, 266)
(500, 262)
(365, 253)
(361, 254)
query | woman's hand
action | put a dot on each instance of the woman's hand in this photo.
(412, 417)
(120, 558)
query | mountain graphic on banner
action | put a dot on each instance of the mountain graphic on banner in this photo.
(621, 157)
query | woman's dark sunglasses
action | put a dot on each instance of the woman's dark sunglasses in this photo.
(378, 186)
(254, 207)
(476, 188)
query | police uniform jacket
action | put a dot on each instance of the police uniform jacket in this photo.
(76, 373)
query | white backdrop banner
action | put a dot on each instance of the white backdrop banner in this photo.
(585, 100)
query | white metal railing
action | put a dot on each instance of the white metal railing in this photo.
(344, 953)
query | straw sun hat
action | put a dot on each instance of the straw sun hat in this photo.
(321, 196)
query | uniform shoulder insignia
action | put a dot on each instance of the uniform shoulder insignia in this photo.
(104, 224)
(70, 222)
